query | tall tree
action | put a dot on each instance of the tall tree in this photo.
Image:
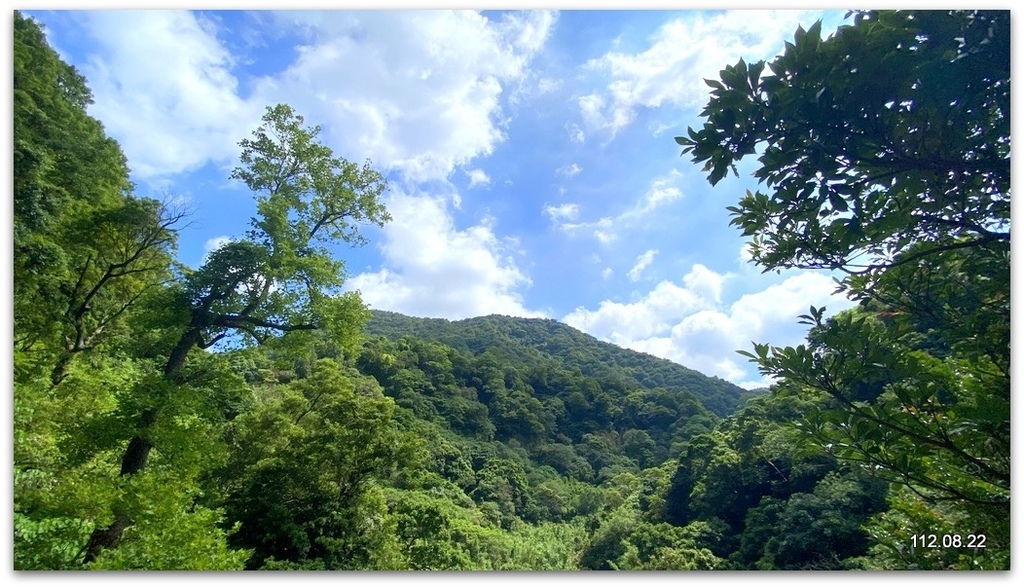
(281, 277)
(885, 150)
(85, 248)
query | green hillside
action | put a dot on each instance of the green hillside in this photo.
(521, 341)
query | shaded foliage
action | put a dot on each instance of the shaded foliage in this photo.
(885, 153)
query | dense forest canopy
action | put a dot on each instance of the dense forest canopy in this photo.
(247, 414)
(522, 342)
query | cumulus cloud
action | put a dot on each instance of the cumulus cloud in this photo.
(164, 88)
(417, 91)
(689, 323)
(477, 177)
(642, 262)
(414, 91)
(706, 283)
(681, 52)
(624, 323)
(433, 269)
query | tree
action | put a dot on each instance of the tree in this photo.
(894, 131)
(815, 530)
(504, 483)
(85, 248)
(886, 150)
(624, 540)
(87, 255)
(281, 277)
(306, 468)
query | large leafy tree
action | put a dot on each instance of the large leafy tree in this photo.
(280, 278)
(307, 469)
(86, 250)
(890, 133)
(884, 152)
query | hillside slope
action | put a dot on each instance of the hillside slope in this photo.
(523, 342)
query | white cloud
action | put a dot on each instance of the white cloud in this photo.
(623, 323)
(478, 177)
(214, 243)
(164, 89)
(576, 134)
(546, 85)
(415, 91)
(660, 193)
(706, 283)
(690, 324)
(434, 269)
(606, 237)
(642, 262)
(682, 53)
(570, 171)
(562, 212)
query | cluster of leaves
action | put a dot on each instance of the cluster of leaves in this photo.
(886, 150)
(891, 132)
(85, 249)
(789, 505)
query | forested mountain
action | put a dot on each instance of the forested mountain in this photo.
(242, 415)
(542, 385)
(522, 341)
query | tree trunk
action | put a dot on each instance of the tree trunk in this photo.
(176, 360)
(104, 538)
(135, 456)
(134, 460)
(137, 453)
(60, 370)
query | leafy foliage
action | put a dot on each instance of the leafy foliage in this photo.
(893, 131)
(586, 427)
(86, 250)
(886, 149)
(282, 278)
(306, 493)
(546, 345)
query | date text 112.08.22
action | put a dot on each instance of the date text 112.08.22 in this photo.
(949, 541)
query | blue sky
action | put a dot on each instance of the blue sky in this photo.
(530, 156)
